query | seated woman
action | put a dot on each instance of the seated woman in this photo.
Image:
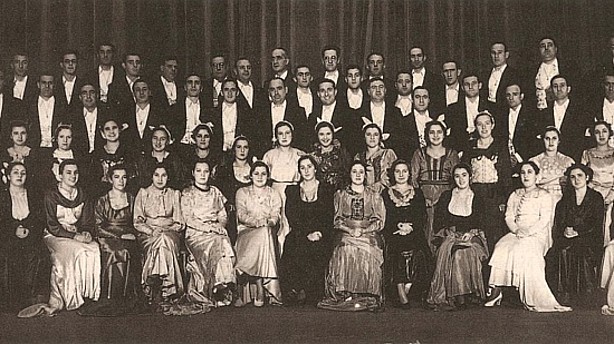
(376, 158)
(160, 153)
(212, 275)
(578, 240)
(518, 258)
(309, 208)
(157, 217)
(75, 256)
(258, 215)
(408, 262)
(22, 221)
(332, 158)
(458, 270)
(354, 279)
(607, 279)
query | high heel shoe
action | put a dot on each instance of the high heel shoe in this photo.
(495, 298)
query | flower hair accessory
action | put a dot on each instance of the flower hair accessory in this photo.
(320, 122)
(168, 132)
(368, 122)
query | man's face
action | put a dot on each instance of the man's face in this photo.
(547, 49)
(471, 86)
(353, 78)
(277, 91)
(560, 88)
(377, 91)
(375, 65)
(105, 55)
(69, 64)
(132, 65)
(193, 86)
(514, 96)
(417, 58)
(244, 71)
(608, 86)
(498, 55)
(169, 70)
(279, 60)
(403, 84)
(303, 77)
(450, 73)
(20, 65)
(45, 85)
(229, 92)
(327, 93)
(330, 60)
(218, 68)
(87, 96)
(421, 100)
(141, 92)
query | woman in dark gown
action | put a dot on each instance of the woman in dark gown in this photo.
(309, 209)
(407, 253)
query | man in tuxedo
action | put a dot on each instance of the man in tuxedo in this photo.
(69, 84)
(603, 107)
(569, 116)
(249, 94)
(383, 113)
(460, 116)
(333, 111)
(44, 114)
(231, 118)
(549, 67)
(121, 97)
(451, 71)
(212, 88)
(376, 67)
(501, 75)
(355, 96)
(280, 64)
(143, 116)
(189, 111)
(422, 76)
(304, 93)
(10, 109)
(22, 86)
(404, 85)
(165, 92)
(105, 73)
(330, 61)
(86, 119)
(414, 123)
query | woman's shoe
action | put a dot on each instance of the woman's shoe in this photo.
(495, 298)
(258, 303)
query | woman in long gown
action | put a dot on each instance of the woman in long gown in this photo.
(578, 240)
(75, 256)
(458, 270)
(354, 278)
(601, 160)
(332, 158)
(377, 158)
(309, 208)
(408, 257)
(258, 215)
(158, 154)
(233, 175)
(25, 278)
(431, 171)
(607, 279)
(518, 258)
(157, 217)
(212, 275)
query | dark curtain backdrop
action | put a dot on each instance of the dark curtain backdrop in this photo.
(194, 29)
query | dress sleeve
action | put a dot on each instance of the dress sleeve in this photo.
(222, 214)
(415, 168)
(339, 219)
(53, 225)
(244, 215)
(378, 213)
(510, 212)
(178, 221)
(139, 216)
(101, 213)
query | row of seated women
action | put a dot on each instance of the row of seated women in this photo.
(298, 238)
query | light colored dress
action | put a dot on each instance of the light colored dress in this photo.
(607, 279)
(551, 169)
(255, 245)
(160, 209)
(518, 258)
(211, 264)
(602, 164)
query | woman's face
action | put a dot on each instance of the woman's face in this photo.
(372, 137)
(64, 139)
(241, 150)
(357, 174)
(201, 174)
(119, 179)
(110, 131)
(70, 175)
(260, 176)
(325, 136)
(160, 178)
(461, 178)
(436, 135)
(307, 170)
(551, 141)
(203, 139)
(484, 125)
(578, 178)
(17, 177)
(602, 134)
(528, 177)
(284, 136)
(401, 174)
(19, 135)
(159, 140)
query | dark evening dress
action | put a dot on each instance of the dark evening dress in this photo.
(97, 181)
(226, 180)
(333, 165)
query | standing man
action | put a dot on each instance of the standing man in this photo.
(249, 94)
(10, 109)
(501, 75)
(86, 119)
(105, 73)
(231, 119)
(68, 88)
(549, 67)
(22, 87)
(451, 71)
(304, 93)
(330, 61)
(280, 63)
(44, 114)
(212, 88)
(383, 113)
(143, 116)
(422, 76)
(376, 67)
(165, 91)
(121, 97)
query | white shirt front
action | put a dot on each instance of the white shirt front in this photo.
(494, 81)
(141, 118)
(452, 94)
(421, 120)
(19, 87)
(355, 100)
(192, 119)
(170, 89)
(377, 114)
(305, 100)
(229, 124)
(559, 113)
(512, 119)
(1, 103)
(418, 76)
(105, 78)
(283, 75)
(90, 124)
(608, 111)
(248, 92)
(471, 108)
(69, 87)
(328, 111)
(334, 75)
(405, 104)
(45, 118)
(277, 114)
(217, 89)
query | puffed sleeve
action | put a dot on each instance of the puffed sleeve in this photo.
(339, 220)
(222, 215)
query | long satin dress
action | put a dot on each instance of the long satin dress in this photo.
(602, 164)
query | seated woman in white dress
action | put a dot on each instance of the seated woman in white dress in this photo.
(518, 259)
(75, 256)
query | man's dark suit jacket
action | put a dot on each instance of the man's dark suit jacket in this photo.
(60, 93)
(130, 137)
(392, 125)
(526, 142)
(31, 91)
(175, 118)
(80, 139)
(34, 132)
(573, 140)
(295, 115)
(120, 97)
(12, 109)
(510, 75)
(158, 93)
(246, 125)
(456, 120)
(93, 77)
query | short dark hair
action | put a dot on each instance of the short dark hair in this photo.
(375, 53)
(499, 42)
(353, 66)
(404, 71)
(390, 171)
(331, 47)
(68, 52)
(131, 53)
(67, 162)
(530, 163)
(323, 80)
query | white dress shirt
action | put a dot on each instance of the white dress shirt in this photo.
(377, 114)
(328, 111)
(105, 77)
(229, 124)
(283, 75)
(608, 111)
(170, 89)
(69, 87)
(192, 119)
(305, 100)
(512, 120)
(405, 104)
(355, 100)
(277, 114)
(217, 89)
(471, 108)
(334, 75)
(494, 81)
(559, 113)
(545, 73)
(141, 118)
(1, 103)
(418, 76)
(452, 94)
(90, 124)
(45, 117)
(248, 92)
(421, 120)
(19, 87)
